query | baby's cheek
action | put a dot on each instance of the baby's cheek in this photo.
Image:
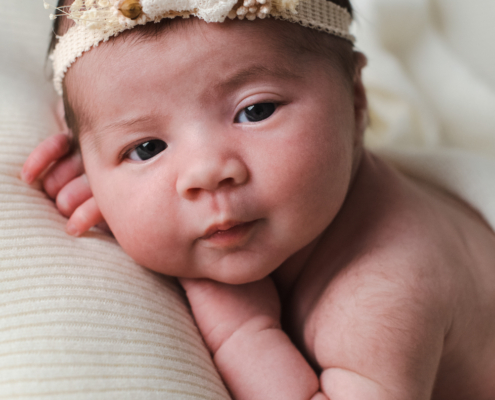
(146, 234)
(143, 216)
(312, 179)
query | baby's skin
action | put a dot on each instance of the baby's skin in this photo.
(220, 154)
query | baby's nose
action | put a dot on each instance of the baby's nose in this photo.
(211, 175)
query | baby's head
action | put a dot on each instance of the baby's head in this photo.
(218, 150)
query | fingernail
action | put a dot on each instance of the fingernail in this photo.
(71, 229)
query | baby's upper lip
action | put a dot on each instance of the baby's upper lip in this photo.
(223, 226)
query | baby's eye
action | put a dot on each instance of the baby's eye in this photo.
(147, 150)
(256, 112)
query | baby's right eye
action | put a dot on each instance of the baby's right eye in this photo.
(147, 150)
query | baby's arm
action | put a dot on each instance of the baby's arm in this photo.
(241, 326)
(382, 336)
(65, 181)
(374, 339)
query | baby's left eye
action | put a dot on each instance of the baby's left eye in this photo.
(256, 112)
(147, 150)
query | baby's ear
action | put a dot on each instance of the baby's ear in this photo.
(60, 116)
(360, 100)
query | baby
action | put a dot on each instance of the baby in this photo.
(230, 154)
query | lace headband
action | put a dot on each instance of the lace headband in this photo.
(99, 20)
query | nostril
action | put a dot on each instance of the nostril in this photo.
(226, 182)
(192, 193)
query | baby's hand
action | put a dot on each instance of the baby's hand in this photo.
(221, 309)
(241, 327)
(63, 179)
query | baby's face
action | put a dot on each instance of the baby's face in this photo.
(212, 150)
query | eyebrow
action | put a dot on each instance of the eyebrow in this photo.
(117, 125)
(255, 71)
(127, 122)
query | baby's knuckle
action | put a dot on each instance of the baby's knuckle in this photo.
(49, 185)
(36, 159)
(53, 184)
(58, 144)
(65, 203)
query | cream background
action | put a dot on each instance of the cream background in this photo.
(431, 86)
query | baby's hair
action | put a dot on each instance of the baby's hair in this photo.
(339, 51)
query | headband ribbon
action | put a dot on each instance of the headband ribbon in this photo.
(99, 20)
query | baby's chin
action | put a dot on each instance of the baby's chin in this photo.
(235, 268)
(238, 273)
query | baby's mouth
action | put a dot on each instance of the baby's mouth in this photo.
(228, 234)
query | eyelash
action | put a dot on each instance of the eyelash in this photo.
(255, 109)
(157, 145)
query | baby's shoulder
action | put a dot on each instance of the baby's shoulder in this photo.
(405, 274)
(411, 221)
(421, 236)
(428, 232)
(410, 247)
(421, 261)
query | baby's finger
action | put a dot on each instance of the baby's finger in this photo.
(48, 151)
(62, 173)
(85, 217)
(72, 195)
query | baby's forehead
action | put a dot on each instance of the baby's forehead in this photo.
(242, 51)
(97, 22)
(263, 53)
(288, 40)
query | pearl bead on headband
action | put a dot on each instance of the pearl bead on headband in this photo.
(99, 20)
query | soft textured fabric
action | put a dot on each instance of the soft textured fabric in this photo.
(431, 88)
(78, 318)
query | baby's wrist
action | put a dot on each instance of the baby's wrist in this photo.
(246, 330)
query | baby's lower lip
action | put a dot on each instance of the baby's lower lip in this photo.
(235, 236)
